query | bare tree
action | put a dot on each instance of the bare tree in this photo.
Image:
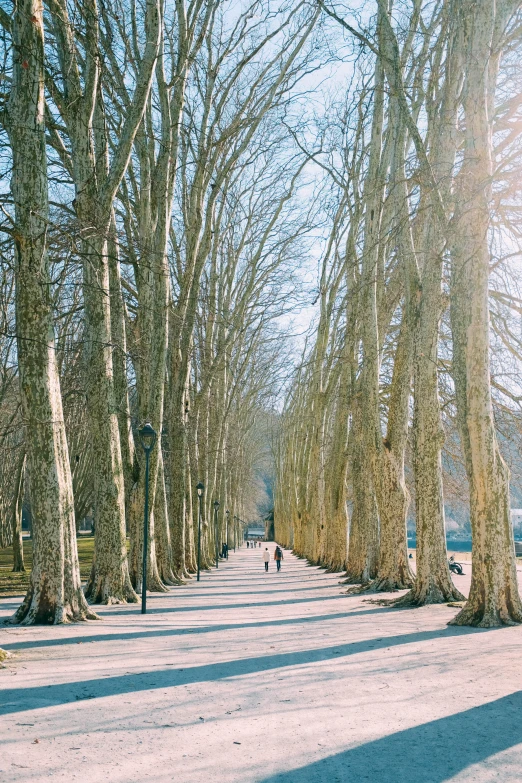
(55, 593)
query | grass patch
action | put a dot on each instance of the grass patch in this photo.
(17, 584)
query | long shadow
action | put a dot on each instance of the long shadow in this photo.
(430, 753)
(253, 589)
(232, 592)
(258, 604)
(19, 699)
(125, 636)
(187, 592)
(254, 580)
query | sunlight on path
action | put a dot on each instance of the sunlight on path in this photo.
(252, 677)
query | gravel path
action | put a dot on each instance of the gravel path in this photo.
(253, 677)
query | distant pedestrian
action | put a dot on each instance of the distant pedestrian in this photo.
(248, 544)
(266, 558)
(278, 556)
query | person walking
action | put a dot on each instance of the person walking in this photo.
(278, 556)
(266, 558)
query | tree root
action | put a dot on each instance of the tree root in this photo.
(361, 578)
(155, 585)
(169, 578)
(478, 617)
(418, 596)
(102, 590)
(334, 569)
(380, 585)
(38, 612)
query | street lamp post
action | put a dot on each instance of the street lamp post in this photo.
(200, 488)
(216, 507)
(226, 539)
(147, 437)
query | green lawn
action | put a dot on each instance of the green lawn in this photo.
(16, 584)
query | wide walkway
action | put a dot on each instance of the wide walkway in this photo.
(261, 677)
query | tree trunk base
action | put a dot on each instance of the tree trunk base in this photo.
(478, 617)
(361, 578)
(36, 609)
(427, 592)
(155, 585)
(338, 563)
(381, 585)
(170, 579)
(102, 590)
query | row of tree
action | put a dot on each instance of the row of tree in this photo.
(418, 280)
(152, 231)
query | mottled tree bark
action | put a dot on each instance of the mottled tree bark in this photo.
(363, 546)
(393, 571)
(161, 525)
(494, 598)
(178, 462)
(385, 456)
(109, 581)
(54, 594)
(119, 358)
(433, 583)
(96, 183)
(16, 515)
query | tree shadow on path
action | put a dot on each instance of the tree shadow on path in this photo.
(258, 604)
(14, 700)
(430, 753)
(120, 636)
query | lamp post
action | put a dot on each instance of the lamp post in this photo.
(216, 507)
(147, 437)
(228, 517)
(200, 488)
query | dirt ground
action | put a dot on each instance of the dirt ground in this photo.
(256, 678)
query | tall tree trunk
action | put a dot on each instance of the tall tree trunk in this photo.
(119, 358)
(96, 184)
(178, 416)
(385, 456)
(109, 581)
(424, 302)
(363, 543)
(16, 515)
(393, 571)
(433, 582)
(161, 526)
(55, 594)
(494, 598)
